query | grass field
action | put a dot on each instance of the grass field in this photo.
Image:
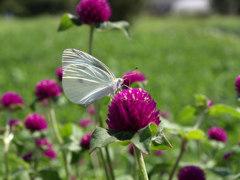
(179, 56)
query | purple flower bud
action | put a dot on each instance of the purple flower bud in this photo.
(50, 153)
(14, 122)
(91, 11)
(59, 73)
(131, 77)
(91, 110)
(131, 110)
(237, 85)
(35, 122)
(27, 157)
(190, 173)
(209, 103)
(47, 88)
(131, 149)
(85, 122)
(227, 155)
(159, 152)
(85, 141)
(217, 134)
(10, 100)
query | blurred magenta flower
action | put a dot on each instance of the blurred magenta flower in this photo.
(131, 110)
(14, 122)
(227, 155)
(159, 152)
(164, 114)
(217, 134)
(209, 103)
(59, 73)
(91, 110)
(43, 143)
(47, 88)
(12, 101)
(85, 141)
(85, 122)
(131, 77)
(191, 173)
(50, 153)
(27, 157)
(35, 122)
(237, 85)
(91, 11)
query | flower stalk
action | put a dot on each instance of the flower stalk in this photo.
(141, 164)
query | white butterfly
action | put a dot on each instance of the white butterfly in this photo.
(85, 78)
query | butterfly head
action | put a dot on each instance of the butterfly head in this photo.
(118, 82)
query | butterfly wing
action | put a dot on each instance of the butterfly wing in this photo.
(84, 83)
(75, 56)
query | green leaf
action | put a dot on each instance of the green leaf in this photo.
(232, 177)
(21, 174)
(157, 169)
(187, 114)
(122, 25)
(49, 174)
(160, 142)
(67, 21)
(102, 137)
(124, 143)
(154, 128)
(222, 109)
(71, 129)
(195, 134)
(201, 100)
(71, 144)
(142, 139)
(220, 171)
(18, 160)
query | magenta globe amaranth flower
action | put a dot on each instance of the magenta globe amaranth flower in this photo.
(85, 122)
(217, 134)
(47, 88)
(132, 77)
(91, 110)
(227, 155)
(50, 153)
(35, 122)
(43, 143)
(85, 141)
(59, 73)
(159, 152)
(12, 101)
(91, 11)
(191, 173)
(237, 85)
(131, 110)
(27, 157)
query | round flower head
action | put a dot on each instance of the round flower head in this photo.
(190, 173)
(85, 141)
(85, 122)
(131, 110)
(237, 85)
(131, 77)
(47, 88)
(90, 11)
(50, 153)
(217, 134)
(11, 100)
(59, 73)
(13, 123)
(159, 152)
(35, 122)
(227, 155)
(91, 110)
(27, 157)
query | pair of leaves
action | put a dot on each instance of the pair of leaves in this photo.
(69, 20)
(144, 139)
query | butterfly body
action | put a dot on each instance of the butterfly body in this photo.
(85, 78)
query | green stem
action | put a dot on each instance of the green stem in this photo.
(7, 139)
(182, 150)
(141, 163)
(200, 120)
(104, 164)
(90, 39)
(135, 172)
(59, 140)
(109, 163)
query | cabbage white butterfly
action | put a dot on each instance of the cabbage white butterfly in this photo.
(85, 78)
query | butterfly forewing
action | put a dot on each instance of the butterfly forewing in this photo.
(75, 56)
